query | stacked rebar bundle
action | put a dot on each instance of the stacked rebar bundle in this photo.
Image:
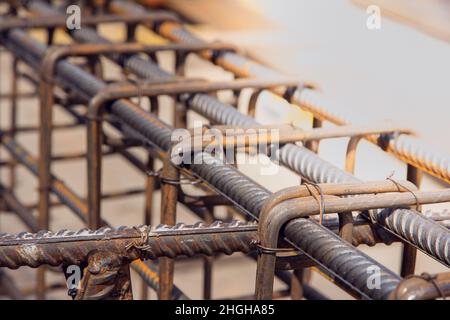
(286, 232)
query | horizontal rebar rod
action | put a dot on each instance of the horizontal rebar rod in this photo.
(69, 247)
(78, 206)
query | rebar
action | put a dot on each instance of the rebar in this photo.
(405, 147)
(325, 245)
(351, 264)
(69, 247)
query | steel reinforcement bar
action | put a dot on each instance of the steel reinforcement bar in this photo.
(299, 159)
(154, 129)
(32, 60)
(73, 247)
(148, 272)
(252, 196)
(406, 147)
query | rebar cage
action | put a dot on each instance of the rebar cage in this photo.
(315, 226)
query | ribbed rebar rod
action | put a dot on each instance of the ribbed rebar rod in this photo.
(78, 206)
(352, 265)
(410, 149)
(69, 247)
(407, 148)
(252, 197)
(433, 238)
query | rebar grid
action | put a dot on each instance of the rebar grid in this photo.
(327, 246)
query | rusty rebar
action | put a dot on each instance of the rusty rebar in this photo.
(249, 196)
(73, 247)
(406, 147)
